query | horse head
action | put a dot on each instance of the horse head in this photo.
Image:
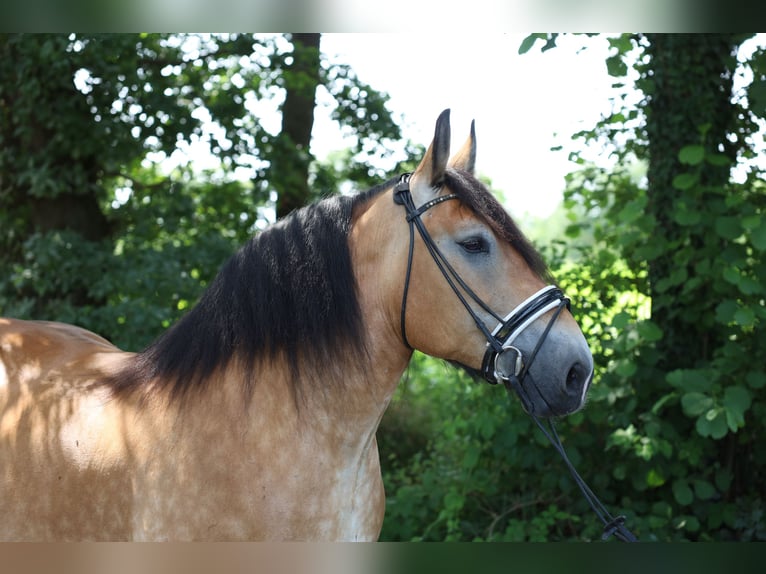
(476, 292)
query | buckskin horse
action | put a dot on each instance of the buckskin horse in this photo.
(254, 416)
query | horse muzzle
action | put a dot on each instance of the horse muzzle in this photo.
(556, 384)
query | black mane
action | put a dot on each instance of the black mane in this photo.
(289, 292)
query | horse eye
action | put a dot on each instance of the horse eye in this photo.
(474, 245)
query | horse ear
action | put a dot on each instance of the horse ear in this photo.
(434, 163)
(465, 158)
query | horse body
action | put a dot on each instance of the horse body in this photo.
(254, 417)
(61, 448)
(81, 464)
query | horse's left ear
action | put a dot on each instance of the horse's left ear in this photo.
(465, 158)
(429, 175)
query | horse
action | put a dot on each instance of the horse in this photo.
(254, 416)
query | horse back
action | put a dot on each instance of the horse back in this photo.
(62, 438)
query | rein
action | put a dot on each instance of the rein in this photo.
(502, 361)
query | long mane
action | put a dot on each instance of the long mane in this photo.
(288, 294)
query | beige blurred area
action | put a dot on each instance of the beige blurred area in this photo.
(186, 558)
(356, 16)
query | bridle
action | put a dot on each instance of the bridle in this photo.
(502, 362)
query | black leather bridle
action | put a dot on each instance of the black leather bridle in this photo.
(503, 362)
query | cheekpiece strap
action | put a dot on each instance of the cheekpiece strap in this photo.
(403, 185)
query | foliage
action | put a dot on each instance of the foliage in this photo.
(479, 478)
(664, 262)
(96, 229)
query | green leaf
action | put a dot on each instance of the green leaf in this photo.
(737, 398)
(734, 420)
(744, 317)
(703, 129)
(471, 459)
(758, 237)
(453, 501)
(750, 286)
(728, 227)
(703, 490)
(731, 275)
(694, 403)
(632, 210)
(529, 41)
(723, 478)
(751, 222)
(684, 216)
(682, 493)
(756, 95)
(712, 424)
(622, 43)
(691, 154)
(649, 331)
(550, 42)
(658, 406)
(684, 181)
(622, 437)
(717, 159)
(626, 368)
(662, 285)
(616, 66)
(725, 310)
(689, 380)
(621, 320)
(756, 379)
(654, 478)
(687, 522)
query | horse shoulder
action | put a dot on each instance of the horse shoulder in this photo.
(63, 439)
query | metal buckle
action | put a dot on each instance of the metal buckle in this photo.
(507, 364)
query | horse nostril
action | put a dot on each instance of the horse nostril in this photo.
(575, 378)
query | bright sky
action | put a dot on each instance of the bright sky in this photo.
(519, 102)
(523, 104)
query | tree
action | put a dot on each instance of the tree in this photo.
(689, 84)
(95, 229)
(289, 172)
(684, 383)
(63, 148)
(664, 264)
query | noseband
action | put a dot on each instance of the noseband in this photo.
(503, 362)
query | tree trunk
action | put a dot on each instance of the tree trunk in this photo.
(689, 103)
(291, 157)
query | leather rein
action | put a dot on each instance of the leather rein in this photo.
(502, 361)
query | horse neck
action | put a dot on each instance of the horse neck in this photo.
(350, 397)
(379, 275)
(341, 415)
(354, 393)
